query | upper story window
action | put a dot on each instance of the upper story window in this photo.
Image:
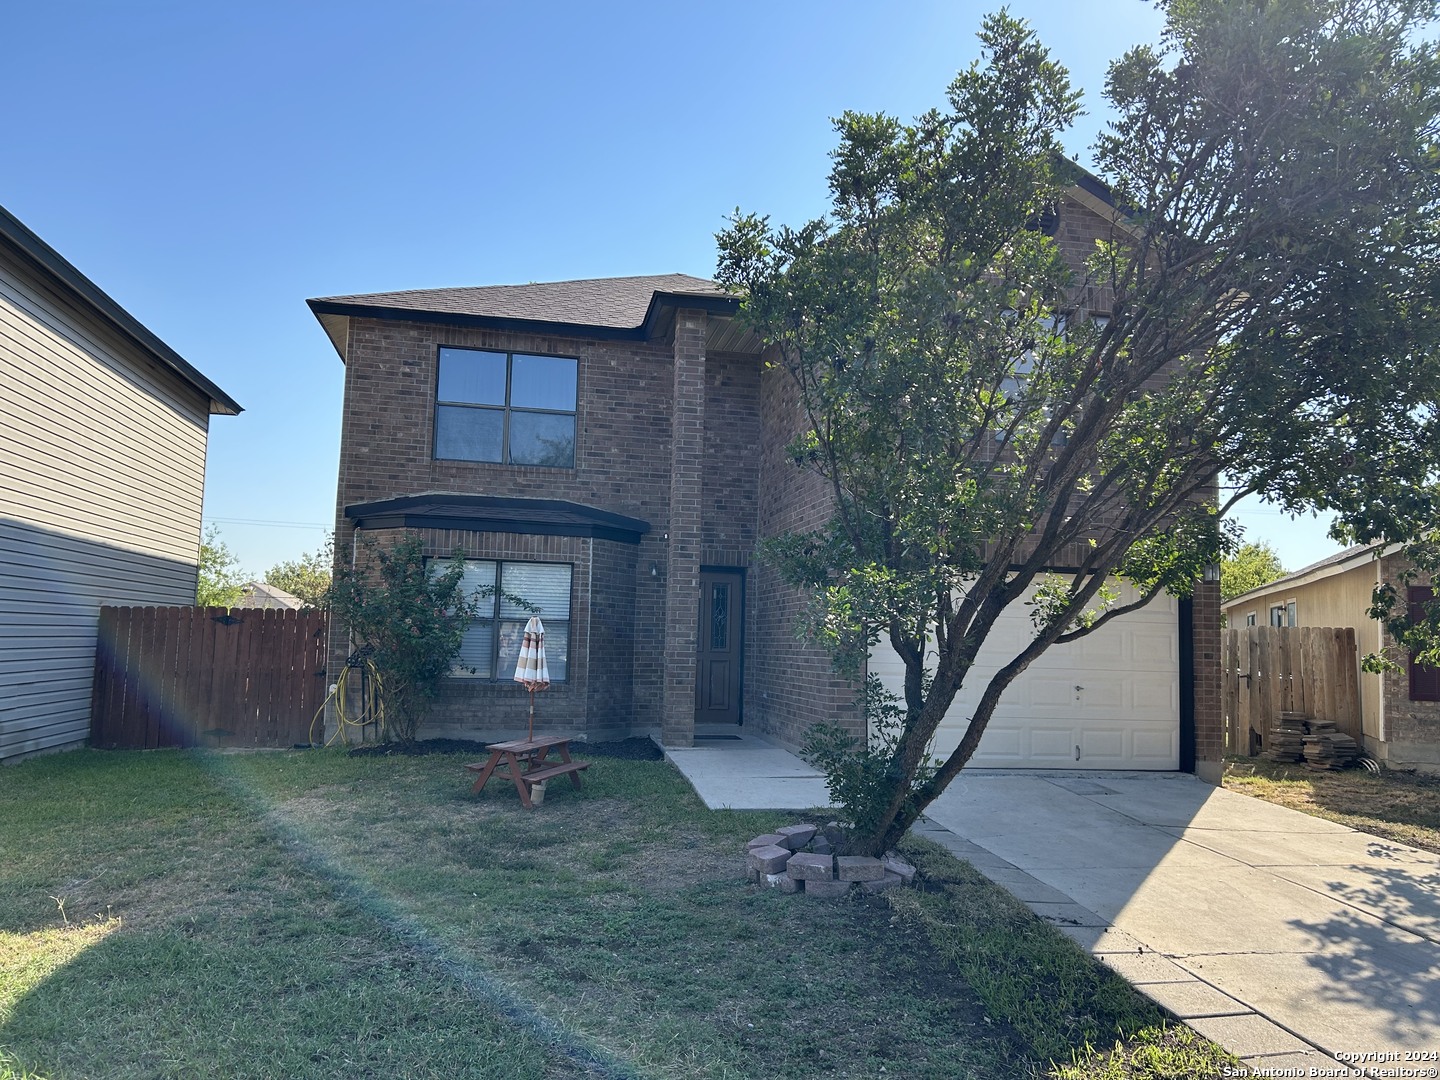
(513, 408)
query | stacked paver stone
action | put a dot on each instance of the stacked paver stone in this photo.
(800, 858)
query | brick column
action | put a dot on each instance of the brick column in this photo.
(682, 578)
(1209, 721)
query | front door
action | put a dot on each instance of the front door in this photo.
(717, 668)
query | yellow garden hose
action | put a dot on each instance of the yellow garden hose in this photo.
(372, 704)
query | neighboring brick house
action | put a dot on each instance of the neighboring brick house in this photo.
(614, 450)
(1399, 710)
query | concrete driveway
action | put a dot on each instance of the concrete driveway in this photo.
(1290, 940)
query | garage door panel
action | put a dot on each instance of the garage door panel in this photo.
(1125, 716)
(1004, 745)
(1050, 744)
(1155, 744)
(1102, 742)
(1045, 690)
(1104, 695)
(1159, 647)
(1155, 691)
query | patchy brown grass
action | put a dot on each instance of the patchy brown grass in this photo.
(279, 915)
(1394, 805)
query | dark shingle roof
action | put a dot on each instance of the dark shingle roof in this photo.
(1330, 560)
(494, 513)
(620, 303)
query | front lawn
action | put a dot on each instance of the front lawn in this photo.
(1395, 805)
(285, 914)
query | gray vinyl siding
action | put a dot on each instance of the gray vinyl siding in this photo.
(102, 472)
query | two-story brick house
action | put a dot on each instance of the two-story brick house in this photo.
(613, 450)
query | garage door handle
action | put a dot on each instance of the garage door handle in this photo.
(1077, 751)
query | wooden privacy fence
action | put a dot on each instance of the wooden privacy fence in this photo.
(1274, 669)
(190, 676)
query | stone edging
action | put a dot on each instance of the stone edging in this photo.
(800, 858)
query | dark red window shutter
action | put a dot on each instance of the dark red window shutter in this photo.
(1424, 680)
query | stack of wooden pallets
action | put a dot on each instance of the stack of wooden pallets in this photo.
(1287, 738)
(1326, 748)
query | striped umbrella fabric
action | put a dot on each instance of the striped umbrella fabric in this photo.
(530, 669)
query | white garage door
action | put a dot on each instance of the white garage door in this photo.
(1108, 701)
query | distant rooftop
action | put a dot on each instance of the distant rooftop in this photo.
(257, 594)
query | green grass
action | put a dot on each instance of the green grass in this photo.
(184, 914)
(1395, 805)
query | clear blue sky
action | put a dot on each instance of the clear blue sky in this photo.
(212, 166)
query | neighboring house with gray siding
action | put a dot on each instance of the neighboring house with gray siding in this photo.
(103, 431)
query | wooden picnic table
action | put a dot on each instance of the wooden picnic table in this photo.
(525, 763)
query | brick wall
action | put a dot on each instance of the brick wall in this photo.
(791, 682)
(1411, 729)
(682, 576)
(609, 641)
(1209, 720)
(1076, 235)
(622, 465)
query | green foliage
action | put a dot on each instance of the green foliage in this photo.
(1414, 629)
(408, 618)
(861, 774)
(985, 411)
(1249, 567)
(220, 579)
(307, 577)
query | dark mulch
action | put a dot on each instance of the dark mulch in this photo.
(636, 749)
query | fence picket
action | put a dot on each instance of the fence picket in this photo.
(1310, 670)
(188, 676)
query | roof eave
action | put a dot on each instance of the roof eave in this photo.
(329, 313)
(1314, 574)
(70, 281)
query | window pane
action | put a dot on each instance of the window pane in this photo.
(479, 575)
(477, 378)
(557, 642)
(542, 439)
(463, 434)
(544, 584)
(543, 382)
(720, 617)
(477, 652)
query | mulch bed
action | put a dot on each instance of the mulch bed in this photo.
(636, 749)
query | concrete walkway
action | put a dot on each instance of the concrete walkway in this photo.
(1291, 941)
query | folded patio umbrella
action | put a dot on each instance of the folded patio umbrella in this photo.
(530, 669)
